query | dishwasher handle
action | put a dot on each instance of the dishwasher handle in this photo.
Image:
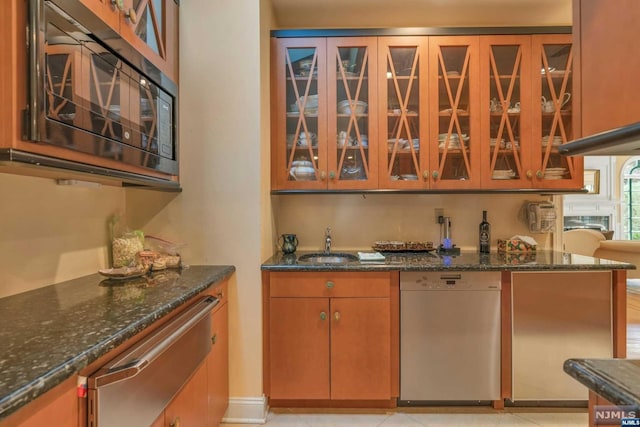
(145, 353)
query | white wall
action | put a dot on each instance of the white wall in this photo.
(357, 221)
(50, 233)
(219, 212)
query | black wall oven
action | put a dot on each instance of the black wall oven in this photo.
(90, 91)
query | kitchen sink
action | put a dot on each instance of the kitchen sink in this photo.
(327, 258)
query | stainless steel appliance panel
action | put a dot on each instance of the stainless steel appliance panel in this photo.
(86, 96)
(449, 336)
(557, 317)
(134, 388)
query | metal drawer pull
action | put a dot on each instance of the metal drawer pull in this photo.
(153, 347)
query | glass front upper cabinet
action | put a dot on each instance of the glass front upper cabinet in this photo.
(403, 151)
(352, 125)
(553, 58)
(454, 131)
(300, 130)
(505, 68)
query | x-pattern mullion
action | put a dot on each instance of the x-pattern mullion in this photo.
(104, 106)
(301, 107)
(556, 123)
(65, 74)
(352, 110)
(154, 20)
(505, 102)
(404, 102)
(454, 111)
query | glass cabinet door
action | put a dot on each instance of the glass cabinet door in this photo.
(505, 68)
(455, 138)
(552, 56)
(403, 153)
(352, 125)
(299, 140)
(151, 27)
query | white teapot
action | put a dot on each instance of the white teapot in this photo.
(302, 170)
(550, 106)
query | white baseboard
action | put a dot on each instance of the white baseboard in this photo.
(246, 410)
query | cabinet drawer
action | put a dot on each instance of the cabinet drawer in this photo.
(330, 284)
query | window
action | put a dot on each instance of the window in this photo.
(631, 199)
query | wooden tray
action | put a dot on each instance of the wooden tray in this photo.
(395, 250)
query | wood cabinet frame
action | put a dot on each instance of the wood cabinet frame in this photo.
(309, 288)
(473, 157)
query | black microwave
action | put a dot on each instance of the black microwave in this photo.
(91, 92)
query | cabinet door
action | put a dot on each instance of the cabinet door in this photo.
(608, 75)
(151, 27)
(552, 125)
(360, 348)
(402, 111)
(299, 140)
(299, 348)
(352, 126)
(189, 407)
(107, 10)
(218, 366)
(506, 111)
(454, 112)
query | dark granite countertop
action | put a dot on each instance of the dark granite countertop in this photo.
(617, 380)
(429, 261)
(51, 333)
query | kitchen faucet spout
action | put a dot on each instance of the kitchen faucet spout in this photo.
(327, 240)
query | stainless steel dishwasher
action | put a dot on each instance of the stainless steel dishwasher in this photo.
(449, 337)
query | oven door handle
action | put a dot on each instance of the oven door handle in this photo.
(143, 354)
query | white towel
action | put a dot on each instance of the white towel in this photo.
(370, 256)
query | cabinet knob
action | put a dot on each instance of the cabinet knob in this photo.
(330, 284)
(214, 338)
(175, 422)
(539, 174)
(332, 175)
(131, 14)
(118, 4)
(529, 174)
(336, 315)
(425, 174)
(323, 175)
(434, 174)
(323, 315)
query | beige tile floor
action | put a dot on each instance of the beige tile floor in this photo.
(429, 417)
(458, 417)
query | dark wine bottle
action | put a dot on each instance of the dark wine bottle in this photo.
(485, 234)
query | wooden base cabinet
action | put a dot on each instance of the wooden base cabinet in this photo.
(203, 400)
(218, 361)
(189, 407)
(331, 337)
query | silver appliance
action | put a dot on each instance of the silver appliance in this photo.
(449, 337)
(92, 92)
(135, 387)
(555, 319)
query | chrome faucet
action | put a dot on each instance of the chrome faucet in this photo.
(327, 240)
